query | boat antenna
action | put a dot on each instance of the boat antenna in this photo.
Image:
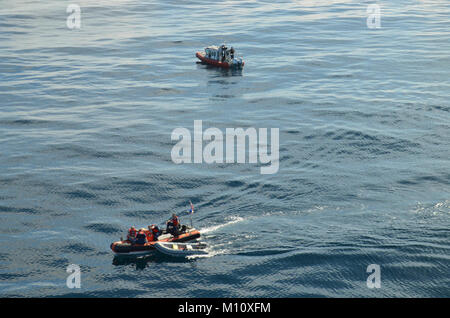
(191, 211)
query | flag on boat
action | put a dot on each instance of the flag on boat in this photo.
(192, 208)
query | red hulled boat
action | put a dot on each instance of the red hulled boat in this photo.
(126, 247)
(220, 56)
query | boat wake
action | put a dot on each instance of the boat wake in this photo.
(234, 219)
(214, 252)
(210, 254)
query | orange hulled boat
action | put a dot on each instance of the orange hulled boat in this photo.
(126, 247)
(220, 56)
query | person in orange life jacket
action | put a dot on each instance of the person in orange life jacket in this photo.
(149, 234)
(131, 236)
(155, 231)
(141, 237)
(173, 225)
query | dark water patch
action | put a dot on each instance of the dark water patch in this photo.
(252, 185)
(9, 17)
(144, 200)
(109, 203)
(71, 295)
(281, 196)
(7, 25)
(285, 158)
(341, 75)
(9, 209)
(421, 180)
(354, 135)
(104, 228)
(223, 96)
(138, 213)
(112, 293)
(82, 51)
(227, 279)
(402, 146)
(192, 182)
(217, 201)
(314, 258)
(77, 248)
(80, 194)
(295, 102)
(103, 186)
(26, 224)
(26, 122)
(139, 154)
(439, 108)
(135, 185)
(7, 180)
(271, 187)
(405, 270)
(407, 182)
(445, 179)
(352, 143)
(330, 134)
(234, 183)
(335, 282)
(77, 151)
(52, 261)
(8, 277)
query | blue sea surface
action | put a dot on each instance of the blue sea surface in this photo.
(86, 117)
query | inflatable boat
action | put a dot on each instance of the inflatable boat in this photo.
(181, 249)
(221, 57)
(126, 247)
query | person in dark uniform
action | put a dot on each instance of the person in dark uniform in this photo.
(173, 225)
(141, 237)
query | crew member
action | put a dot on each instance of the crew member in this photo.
(150, 234)
(141, 237)
(173, 225)
(155, 231)
(131, 236)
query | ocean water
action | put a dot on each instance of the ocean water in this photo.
(86, 117)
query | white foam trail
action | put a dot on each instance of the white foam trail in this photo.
(210, 254)
(210, 229)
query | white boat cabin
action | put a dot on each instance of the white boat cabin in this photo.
(220, 54)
